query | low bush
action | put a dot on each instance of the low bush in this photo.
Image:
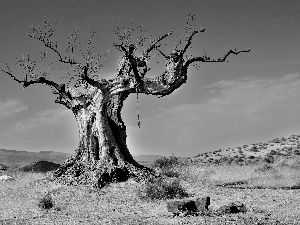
(46, 202)
(297, 152)
(269, 158)
(166, 163)
(171, 173)
(273, 152)
(161, 188)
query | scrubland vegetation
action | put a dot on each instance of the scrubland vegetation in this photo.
(270, 192)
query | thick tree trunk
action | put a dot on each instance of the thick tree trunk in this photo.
(102, 155)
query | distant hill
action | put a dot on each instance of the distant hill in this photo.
(13, 158)
(279, 148)
(273, 150)
(16, 159)
(151, 158)
(148, 158)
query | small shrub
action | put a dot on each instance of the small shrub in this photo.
(273, 152)
(166, 162)
(255, 149)
(46, 202)
(269, 158)
(171, 173)
(264, 168)
(276, 140)
(160, 188)
(296, 152)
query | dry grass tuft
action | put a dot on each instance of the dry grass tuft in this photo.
(46, 202)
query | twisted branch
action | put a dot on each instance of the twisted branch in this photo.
(61, 90)
(51, 45)
(154, 45)
(189, 41)
(97, 84)
(207, 59)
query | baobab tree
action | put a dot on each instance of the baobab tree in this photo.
(102, 155)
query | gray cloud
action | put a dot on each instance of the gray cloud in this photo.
(10, 107)
(49, 118)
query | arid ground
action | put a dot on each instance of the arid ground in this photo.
(269, 188)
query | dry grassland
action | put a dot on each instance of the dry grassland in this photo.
(270, 194)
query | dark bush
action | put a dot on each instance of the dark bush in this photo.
(46, 202)
(40, 167)
(171, 173)
(255, 149)
(269, 158)
(166, 162)
(297, 152)
(160, 188)
(273, 152)
(276, 140)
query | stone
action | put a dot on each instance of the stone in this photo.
(3, 167)
(202, 203)
(234, 207)
(5, 178)
(183, 206)
(188, 206)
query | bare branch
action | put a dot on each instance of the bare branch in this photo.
(154, 45)
(45, 38)
(42, 80)
(163, 54)
(9, 72)
(98, 84)
(61, 59)
(189, 41)
(208, 59)
(120, 47)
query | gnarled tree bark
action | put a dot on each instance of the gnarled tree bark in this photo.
(102, 155)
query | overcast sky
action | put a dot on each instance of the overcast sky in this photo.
(254, 97)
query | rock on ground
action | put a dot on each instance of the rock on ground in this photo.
(3, 167)
(188, 206)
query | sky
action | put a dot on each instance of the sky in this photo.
(252, 98)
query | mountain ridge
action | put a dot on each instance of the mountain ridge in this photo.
(284, 147)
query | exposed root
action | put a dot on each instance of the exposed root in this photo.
(98, 175)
